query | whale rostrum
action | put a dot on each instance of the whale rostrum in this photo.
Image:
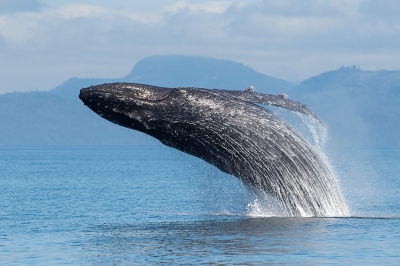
(229, 130)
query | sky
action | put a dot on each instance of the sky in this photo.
(43, 43)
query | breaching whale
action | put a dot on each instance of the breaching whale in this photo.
(229, 130)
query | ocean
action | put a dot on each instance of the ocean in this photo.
(155, 205)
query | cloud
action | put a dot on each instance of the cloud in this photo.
(387, 10)
(11, 6)
(284, 38)
(213, 7)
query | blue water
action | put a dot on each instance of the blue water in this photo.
(151, 205)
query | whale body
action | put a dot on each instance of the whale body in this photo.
(229, 130)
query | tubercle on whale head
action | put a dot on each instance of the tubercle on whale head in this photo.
(126, 104)
(125, 91)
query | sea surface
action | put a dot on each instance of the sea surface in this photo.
(155, 205)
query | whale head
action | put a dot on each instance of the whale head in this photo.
(126, 104)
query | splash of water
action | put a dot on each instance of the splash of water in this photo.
(318, 140)
(325, 194)
(264, 206)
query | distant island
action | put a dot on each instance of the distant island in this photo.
(359, 107)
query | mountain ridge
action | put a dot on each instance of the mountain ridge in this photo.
(358, 106)
(166, 71)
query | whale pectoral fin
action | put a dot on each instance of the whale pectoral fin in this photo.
(268, 99)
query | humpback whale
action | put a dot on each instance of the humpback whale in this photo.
(230, 130)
